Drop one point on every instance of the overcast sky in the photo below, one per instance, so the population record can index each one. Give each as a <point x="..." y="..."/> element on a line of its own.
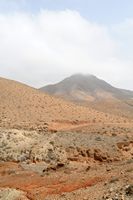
<point x="43" y="41"/>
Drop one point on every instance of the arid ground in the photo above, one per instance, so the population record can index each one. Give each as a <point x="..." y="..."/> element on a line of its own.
<point x="53" y="149"/>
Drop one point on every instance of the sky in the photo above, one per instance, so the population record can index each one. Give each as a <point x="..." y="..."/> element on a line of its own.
<point x="44" y="41"/>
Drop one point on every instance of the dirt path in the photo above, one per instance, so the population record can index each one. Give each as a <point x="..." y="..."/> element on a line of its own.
<point x="68" y="125"/>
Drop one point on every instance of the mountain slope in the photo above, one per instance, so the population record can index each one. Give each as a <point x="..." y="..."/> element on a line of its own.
<point x="23" y="107"/>
<point x="86" y="88"/>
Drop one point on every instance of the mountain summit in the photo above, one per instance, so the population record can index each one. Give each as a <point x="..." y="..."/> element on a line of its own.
<point x="79" y="87"/>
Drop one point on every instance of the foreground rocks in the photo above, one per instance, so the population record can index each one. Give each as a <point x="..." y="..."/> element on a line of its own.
<point x="65" y="165"/>
<point x="61" y="147"/>
<point x="123" y="193"/>
<point x="12" y="194"/>
<point x="73" y="181"/>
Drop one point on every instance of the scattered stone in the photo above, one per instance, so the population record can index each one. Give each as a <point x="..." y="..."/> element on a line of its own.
<point x="129" y="190"/>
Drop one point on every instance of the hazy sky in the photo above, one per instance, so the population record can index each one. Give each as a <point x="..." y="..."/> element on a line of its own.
<point x="43" y="41"/>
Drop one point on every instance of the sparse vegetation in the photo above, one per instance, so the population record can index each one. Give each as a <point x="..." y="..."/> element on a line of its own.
<point x="49" y="146"/>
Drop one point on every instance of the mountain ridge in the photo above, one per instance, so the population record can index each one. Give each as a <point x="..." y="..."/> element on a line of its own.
<point x="89" y="84"/>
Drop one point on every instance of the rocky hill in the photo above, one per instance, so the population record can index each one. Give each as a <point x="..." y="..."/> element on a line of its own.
<point x="89" y="89"/>
<point x="86" y="87"/>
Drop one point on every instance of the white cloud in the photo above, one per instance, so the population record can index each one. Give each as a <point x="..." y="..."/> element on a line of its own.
<point x="46" y="47"/>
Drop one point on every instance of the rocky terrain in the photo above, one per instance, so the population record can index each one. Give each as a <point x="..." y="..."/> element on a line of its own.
<point x="52" y="149"/>
<point x="65" y="165"/>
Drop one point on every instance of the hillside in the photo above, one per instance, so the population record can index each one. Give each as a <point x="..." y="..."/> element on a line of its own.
<point x="24" y="107"/>
<point x="92" y="91"/>
<point x="86" y="87"/>
<point x="54" y="149"/>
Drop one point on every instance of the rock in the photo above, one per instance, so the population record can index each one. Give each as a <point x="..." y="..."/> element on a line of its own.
<point x="100" y="156"/>
<point x="88" y="168"/>
<point x="108" y="169"/>
<point x="106" y="183"/>
<point x="129" y="190"/>
<point x="122" y="197"/>
<point x="98" y="139"/>
<point x="111" y="190"/>
<point x="12" y="194"/>
<point x="85" y="198"/>
<point x="116" y="197"/>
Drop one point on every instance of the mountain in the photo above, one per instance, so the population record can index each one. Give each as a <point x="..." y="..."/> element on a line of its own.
<point x="86" y="88"/>
<point x="24" y="107"/>
<point x="92" y="91"/>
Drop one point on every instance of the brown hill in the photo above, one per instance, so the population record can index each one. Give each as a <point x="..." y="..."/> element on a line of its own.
<point x="24" y="107"/>
<point x="88" y="89"/>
